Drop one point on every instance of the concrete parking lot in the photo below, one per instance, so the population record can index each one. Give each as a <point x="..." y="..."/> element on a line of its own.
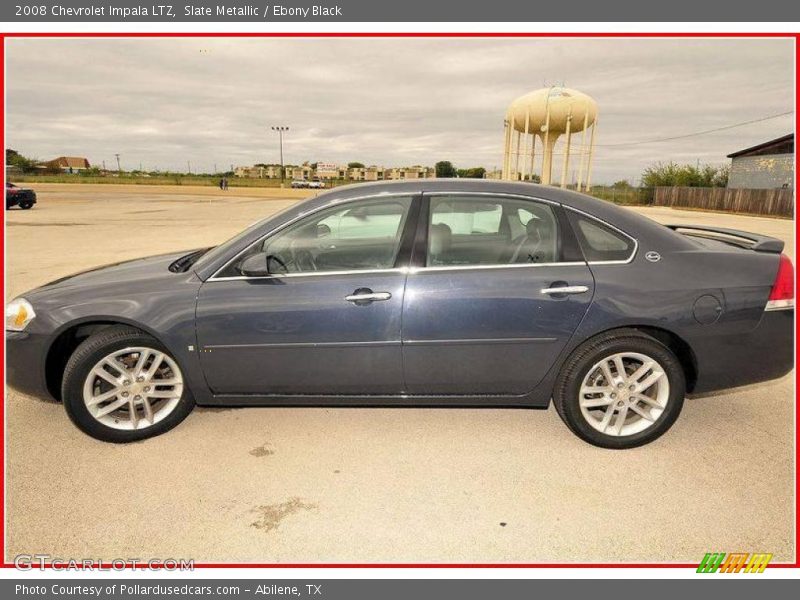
<point x="371" y="485"/>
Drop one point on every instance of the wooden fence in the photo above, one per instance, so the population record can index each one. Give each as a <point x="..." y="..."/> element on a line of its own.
<point x="778" y="202"/>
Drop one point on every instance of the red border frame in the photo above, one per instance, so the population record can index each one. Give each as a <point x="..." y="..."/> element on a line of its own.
<point x="107" y="566"/>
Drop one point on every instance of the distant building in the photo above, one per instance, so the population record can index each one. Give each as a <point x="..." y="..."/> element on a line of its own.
<point x="765" y="166"/>
<point x="372" y="173"/>
<point x="258" y="172"/>
<point x="332" y="171"/>
<point x="415" y="172"/>
<point x="69" y="164"/>
<point x="303" y="172"/>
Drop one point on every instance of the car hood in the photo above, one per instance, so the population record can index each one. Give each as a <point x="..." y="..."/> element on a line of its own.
<point x="130" y="271"/>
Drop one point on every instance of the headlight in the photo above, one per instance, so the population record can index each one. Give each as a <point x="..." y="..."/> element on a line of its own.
<point x="19" y="313"/>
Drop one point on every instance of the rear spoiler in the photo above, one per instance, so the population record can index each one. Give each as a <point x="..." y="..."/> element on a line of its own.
<point x="752" y="241"/>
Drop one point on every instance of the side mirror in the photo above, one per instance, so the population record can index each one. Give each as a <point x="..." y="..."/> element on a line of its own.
<point x="254" y="265"/>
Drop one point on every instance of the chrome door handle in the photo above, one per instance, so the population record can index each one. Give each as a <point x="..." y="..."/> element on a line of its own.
<point x="368" y="297"/>
<point x="567" y="289"/>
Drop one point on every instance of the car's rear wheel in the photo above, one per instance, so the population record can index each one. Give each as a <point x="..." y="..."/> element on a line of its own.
<point x="620" y="390"/>
<point x="122" y="385"/>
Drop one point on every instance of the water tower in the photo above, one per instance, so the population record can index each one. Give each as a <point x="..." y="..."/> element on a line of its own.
<point x="547" y="114"/>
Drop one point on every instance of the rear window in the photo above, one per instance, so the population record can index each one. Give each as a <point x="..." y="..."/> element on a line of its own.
<point x="600" y="242"/>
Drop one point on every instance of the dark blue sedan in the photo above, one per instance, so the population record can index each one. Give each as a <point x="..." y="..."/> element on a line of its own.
<point x="431" y="293"/>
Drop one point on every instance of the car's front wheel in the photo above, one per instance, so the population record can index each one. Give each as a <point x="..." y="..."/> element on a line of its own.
<point x="620" y="390"/>
<point x="25" y="204"/>
<point x="122" y="385"/>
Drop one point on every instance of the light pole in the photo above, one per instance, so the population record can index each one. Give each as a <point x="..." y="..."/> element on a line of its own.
<point x="119" y="169"/>
<point x="280" y="129"/>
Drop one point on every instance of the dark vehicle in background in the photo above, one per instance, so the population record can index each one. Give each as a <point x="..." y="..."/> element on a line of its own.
<point x="17" y="196"/>
<point x="447" y="292"/>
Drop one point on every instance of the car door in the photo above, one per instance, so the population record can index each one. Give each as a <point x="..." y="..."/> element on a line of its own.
<point x="325" y="320"/>
<point x="501" y="288"/>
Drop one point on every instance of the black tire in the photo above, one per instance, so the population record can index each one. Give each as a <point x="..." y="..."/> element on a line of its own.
<point x="25" y="204"/>
<point x="566" y="391"/>
<point x="92" y="350"/>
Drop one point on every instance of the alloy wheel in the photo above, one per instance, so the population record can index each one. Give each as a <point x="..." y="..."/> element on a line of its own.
<point x="624" y="394"/>
<point x="133" y="388"/>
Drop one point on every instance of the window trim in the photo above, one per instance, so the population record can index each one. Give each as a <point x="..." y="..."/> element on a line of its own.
<point x="420" y="270"/>
<point x="610" y="226"/>
<point x="415" y="198"/>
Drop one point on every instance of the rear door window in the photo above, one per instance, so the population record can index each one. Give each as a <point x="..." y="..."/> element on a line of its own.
<point x="469" y="230"/>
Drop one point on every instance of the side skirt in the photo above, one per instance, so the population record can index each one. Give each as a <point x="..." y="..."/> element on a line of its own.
<point x="525" y="401"/>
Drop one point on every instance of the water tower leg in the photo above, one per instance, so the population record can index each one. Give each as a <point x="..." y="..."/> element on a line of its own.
<point x="565" y="166"/>
<point x="506" y="150"/>
<point x="583" y="150"/>
<point x="533" y="153"/>
<point x="525" y="151"/>
<point x="591" y="155"/>
<point x="516" y="157"/>
<point x="547" y="156"/>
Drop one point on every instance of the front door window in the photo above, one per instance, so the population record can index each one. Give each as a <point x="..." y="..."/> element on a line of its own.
<point x="353" y="236"/>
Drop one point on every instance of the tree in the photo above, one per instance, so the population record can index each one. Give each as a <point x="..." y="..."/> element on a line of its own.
<point x="673" y="174"/>
<point x="355" y="165"/>
<point x="721" y="177"/>
<point x="622" y="184"/>
<point x="534" y="178"/>
<point x="23" y="163"/>
<point x="445" y="168"/>
<point x="472" y="173"/>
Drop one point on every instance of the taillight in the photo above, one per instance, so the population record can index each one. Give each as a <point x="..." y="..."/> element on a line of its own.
<point x="782" y="294"/>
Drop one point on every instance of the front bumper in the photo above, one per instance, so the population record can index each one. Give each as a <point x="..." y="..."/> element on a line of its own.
<point x="766" y="352"/>
<point x="25" y="363"/>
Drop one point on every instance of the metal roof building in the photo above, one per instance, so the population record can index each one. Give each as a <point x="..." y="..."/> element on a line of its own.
<point x="764" y="166"/>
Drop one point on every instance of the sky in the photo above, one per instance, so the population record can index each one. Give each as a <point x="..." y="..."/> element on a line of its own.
<point x="165" y="103"/>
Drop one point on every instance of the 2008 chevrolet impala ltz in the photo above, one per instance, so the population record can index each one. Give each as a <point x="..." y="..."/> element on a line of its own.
<point x="431" y="293"/>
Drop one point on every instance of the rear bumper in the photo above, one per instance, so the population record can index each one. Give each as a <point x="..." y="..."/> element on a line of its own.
<point x="766" y="352"/>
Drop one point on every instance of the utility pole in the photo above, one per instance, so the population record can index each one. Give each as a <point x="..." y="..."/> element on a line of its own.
<point x="189" y="166"/>
<point x="119" y="169"/>
<point x="280" y="129"/>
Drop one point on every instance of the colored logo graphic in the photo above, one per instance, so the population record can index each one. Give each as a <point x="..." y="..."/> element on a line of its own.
<point x="737" y="562"/>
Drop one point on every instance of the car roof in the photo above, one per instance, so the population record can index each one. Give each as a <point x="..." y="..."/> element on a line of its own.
<point x="464" y="185"/>
<point x="620" y="217"/>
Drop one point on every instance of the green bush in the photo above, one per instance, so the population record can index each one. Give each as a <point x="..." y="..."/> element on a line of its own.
<point x="672" y="174"/>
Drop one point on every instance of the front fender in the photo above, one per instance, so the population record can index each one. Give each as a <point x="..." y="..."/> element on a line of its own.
<point x="163" y="308"/>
